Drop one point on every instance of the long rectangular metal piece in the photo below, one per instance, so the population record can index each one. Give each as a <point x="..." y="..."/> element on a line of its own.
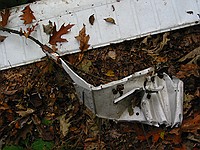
<point x="134" y="19"/>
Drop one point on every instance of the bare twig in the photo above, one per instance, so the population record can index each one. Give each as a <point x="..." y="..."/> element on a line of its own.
<point x="46" y="49"/>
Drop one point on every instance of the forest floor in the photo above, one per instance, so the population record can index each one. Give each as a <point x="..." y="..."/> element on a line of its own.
<point x="39" y="108"/>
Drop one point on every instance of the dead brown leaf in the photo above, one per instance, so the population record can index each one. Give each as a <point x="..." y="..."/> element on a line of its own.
<point x="2" y="38"/>
<point x="83" y="39"/>
<point x="156" y="134"/>
<point x="191" y="124"/>
<point x="64" y="125"/>
<point x="160" y="59"/>
<point x="23" y="133"/>
<point x="114" y="134"/>
<point x="4" y="106"/>
<point x="11" y="92"/>
<point x="56" y="35"/>
<point x="29" y="30"/>
<point x="161" y="44"/>
<point x="5" y="16"/>
<point x="173" y="139"/>
<point x="110" y="20"/>
<point x="25" y="113"/>
<point x="94" y="145"/>
<point x="112" y="54"/>
<point x="91" y="19"/>
<point x="197" y="92"/>
<point x="187" y="70"/>
<point x="27" y="15"/>
<point x="191" y="54"/>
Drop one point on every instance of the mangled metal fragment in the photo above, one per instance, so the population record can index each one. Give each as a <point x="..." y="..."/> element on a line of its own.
<point x="143" y="97"/>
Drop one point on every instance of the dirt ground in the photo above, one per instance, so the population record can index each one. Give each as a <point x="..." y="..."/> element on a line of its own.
<point x="39" y="108"/>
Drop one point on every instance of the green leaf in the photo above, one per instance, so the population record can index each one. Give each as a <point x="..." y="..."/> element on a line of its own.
<point x="39" y="144"/>
<point x="46" y="122"/>
<point x="13" y="147"/>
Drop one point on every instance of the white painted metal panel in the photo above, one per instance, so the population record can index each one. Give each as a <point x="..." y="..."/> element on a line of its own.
<point x="134" y="18"/>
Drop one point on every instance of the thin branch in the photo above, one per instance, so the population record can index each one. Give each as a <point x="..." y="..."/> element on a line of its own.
<point x="46" y="49"/>
<point x="21" y="34"/>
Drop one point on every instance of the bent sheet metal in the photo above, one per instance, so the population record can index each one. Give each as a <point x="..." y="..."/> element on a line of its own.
<point x="143" y="96"/>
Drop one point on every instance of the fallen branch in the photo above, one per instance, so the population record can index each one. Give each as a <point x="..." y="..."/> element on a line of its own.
<point x="47" y="50"/>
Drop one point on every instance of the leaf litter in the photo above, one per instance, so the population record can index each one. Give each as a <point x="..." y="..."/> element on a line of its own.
<point x="48" y="90"/>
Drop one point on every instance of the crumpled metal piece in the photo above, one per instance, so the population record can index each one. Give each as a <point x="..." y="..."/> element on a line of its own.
<point x="143" y="97"/>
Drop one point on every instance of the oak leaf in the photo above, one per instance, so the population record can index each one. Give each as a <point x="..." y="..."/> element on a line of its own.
<point x="56" y="35"/>
<point x="27" y="15"/>
<point x="5" y="15"/>
<point x="83" y="39"/>
<point x="64" y="125"/>
<point x="29" y="30"/>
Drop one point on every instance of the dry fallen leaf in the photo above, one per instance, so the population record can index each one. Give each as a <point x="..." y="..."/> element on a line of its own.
<point x="187" y="70"/>
<point x="85" y="65"/>
<point x="197" y="92"/>
<point x="191" y="124"/>
<point x="110" y="20"/>
<point x="25" y="113"/>
<point x="56" y="35"/>
<point x="29" y="30"/>
<point x="83" y="39"/>
<point x="24" y="132"/>
<point x="160" y="59"/>
<point x="27" y="15"/>
<point x="48" y="29"/>
<point x="91" y="19"/>
<point x="114" y="134"/>
<point x="2" y="38"/>
<point x="64" y="125"/>
<point x="110" y="73"/>
<point x="173" y="139"/>
<point x="94" y="145"/>
<point x="11" y="92"/>
<point x="112" y="54"/>
<point x="191" y="55"/>
<point x="4" y="106"/>
<point x="5" y="15"/>
<point x="156" y="134"/>
<point x="161" y="44"/>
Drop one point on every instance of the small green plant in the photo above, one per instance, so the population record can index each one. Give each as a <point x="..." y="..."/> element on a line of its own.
<point x="39" y="144"/>
<point x="12" y="147"/>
